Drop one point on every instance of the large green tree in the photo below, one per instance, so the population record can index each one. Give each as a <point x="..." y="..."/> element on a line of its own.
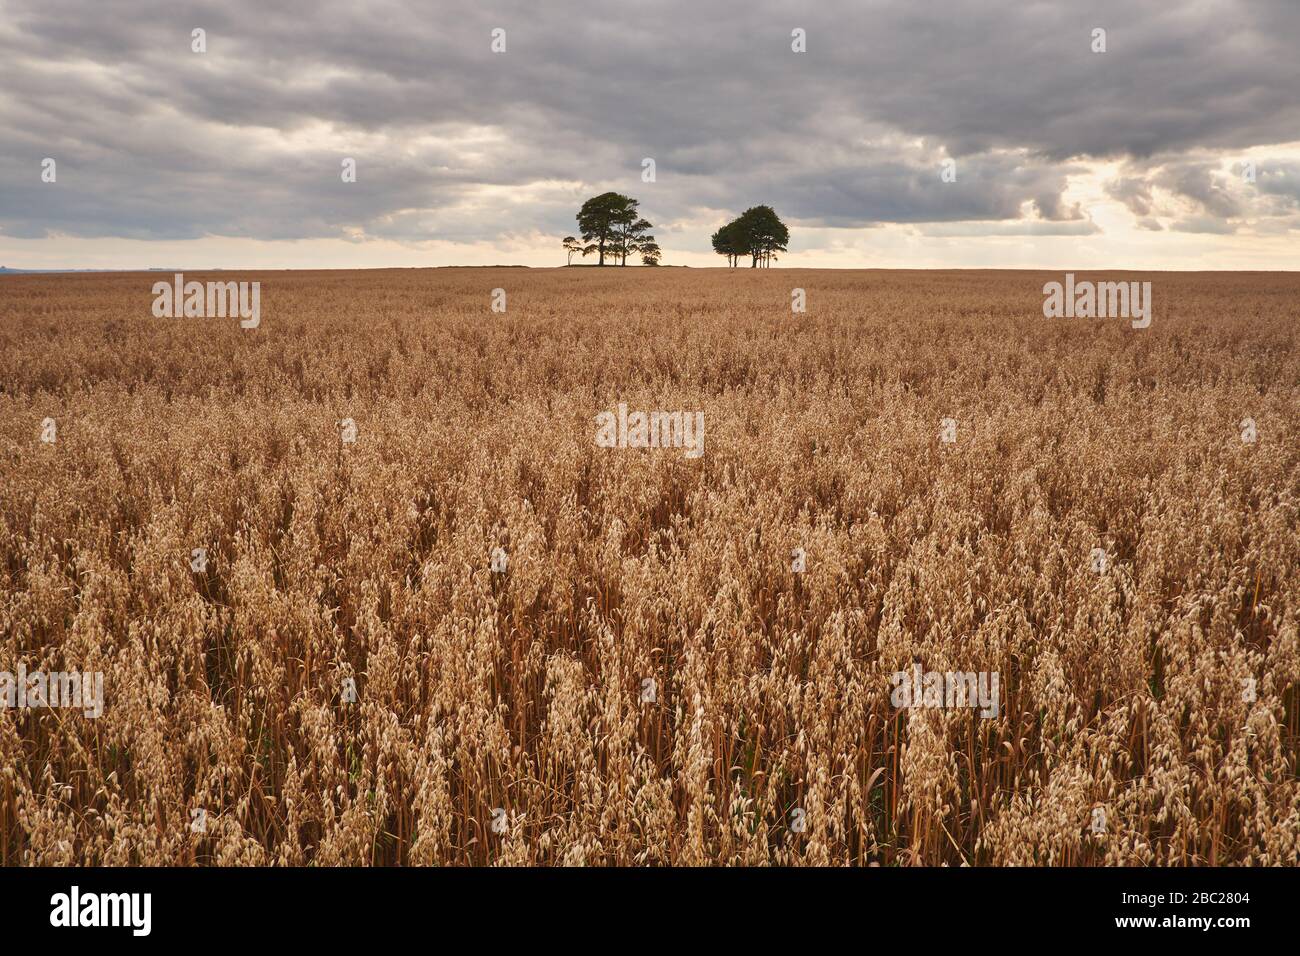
<point x="764" y="233"/>
<point x="605" y="221"/>
<point x="730" y="241"/>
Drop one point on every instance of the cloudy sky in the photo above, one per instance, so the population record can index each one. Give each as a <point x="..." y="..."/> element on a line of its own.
<point x="1138" y="157"/>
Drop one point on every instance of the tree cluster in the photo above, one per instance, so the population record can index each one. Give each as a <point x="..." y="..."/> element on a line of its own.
<point x="758" y="233"/>
<point x="610" y="226"/>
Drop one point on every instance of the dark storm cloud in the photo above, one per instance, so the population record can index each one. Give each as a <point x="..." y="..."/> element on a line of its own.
<point x="455" y="142"/>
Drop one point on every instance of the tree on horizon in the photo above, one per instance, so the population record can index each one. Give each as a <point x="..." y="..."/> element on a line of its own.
<point x="758" y="232"/>
<point x="604" y="220"/>
<point x="765" y="234"/>
<point x="571" y="245"/>
<point x="634" y="239"/>
<point x="730" y="241"/>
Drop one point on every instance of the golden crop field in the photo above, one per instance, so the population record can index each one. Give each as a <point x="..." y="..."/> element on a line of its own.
<point x="647" y="678"/>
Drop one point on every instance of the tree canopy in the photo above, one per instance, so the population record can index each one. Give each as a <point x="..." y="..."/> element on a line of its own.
<point x="609" y="224"/>
<point x="758" y="232"/>
<point x="730" y="241"/>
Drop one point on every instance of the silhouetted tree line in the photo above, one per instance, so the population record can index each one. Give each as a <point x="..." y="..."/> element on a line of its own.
<point x="610" y="226"/>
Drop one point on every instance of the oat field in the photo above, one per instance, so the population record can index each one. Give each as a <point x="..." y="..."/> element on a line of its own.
<point x="649" y="681"/>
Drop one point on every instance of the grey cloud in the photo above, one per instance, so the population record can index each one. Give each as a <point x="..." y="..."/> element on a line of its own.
<point x="1204" y="224"/>
<point x="905" y="189"/>
<point x="1200" y="196"/>
<point x="157" y="142"/>
<point x="1203" y="184"/>
<point x="1134" y="193"/>
<point x="1281" y="179"/>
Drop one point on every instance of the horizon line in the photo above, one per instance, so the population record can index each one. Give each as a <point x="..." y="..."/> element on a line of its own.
<point x="154" y="270"/>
